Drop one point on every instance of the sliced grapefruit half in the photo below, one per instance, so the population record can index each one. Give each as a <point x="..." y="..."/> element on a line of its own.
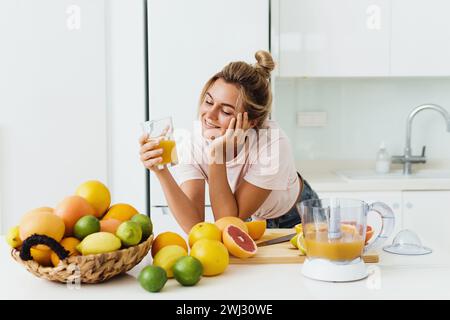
<point x="238" y="243"/>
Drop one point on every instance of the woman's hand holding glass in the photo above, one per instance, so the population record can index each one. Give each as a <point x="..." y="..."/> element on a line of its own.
<point x="150" y="152"/>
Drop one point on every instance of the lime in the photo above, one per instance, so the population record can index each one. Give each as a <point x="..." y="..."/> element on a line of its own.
<point x="152" y="278"/>
<point x="167" y="256"/>
<point x="187" y="270"/>
<point x="85" y="226"/>
<point x="130" y="233"/>
<point x="145" y="223"/>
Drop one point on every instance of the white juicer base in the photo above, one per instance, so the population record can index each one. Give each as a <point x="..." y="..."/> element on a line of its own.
<point x="326" y="270"/>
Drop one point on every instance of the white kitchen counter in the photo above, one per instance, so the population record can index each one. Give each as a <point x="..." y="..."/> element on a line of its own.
<point x="395" y="277"/>
<point x="323" y="177"/>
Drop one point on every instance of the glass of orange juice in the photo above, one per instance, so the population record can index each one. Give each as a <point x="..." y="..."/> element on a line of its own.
<point x="163" y="128"/>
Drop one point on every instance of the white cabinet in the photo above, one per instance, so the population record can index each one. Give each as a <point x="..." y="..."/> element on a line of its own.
<point x="420" y="44"/>
<point x="325" y="38"/>
<point x="52" y="103"/>
<point x="428" y="214"/>
<point x="189" y="41"/>
<point x="392" y="198"/>
<point x="346" y="38"/>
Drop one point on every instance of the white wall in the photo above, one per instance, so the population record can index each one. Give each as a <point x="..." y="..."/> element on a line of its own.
<point x="362" y="113"/>
<point x="125" y="74"/>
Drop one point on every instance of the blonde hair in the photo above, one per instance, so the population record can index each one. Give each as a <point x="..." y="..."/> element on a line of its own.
<point x="253" y="82"/>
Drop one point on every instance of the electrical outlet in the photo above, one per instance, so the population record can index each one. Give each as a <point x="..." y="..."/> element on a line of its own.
<point x="311" y="119"/>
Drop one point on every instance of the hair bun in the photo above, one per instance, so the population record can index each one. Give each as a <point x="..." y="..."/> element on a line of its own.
<point x="265" y="63"/>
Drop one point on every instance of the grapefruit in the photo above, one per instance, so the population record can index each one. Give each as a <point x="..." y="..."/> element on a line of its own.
<point x="41" y="221"/>
<point x="109" y="225"/>
<point x="204" y="230"/>
<point x="97" y="194"/>
<point x="71" y="209"/>
<point x="256" y="228"/>
<point x="238" y="243"/>
<point x="222" y="223"/>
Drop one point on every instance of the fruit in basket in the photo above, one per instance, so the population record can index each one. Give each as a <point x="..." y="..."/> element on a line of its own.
<point x="166" y="239"/>
<point x="238" y="243"/>
<point x="97" y="194"/>
<point x="145" y="223"/>
<point x="213" y="256"/>
<point x="71" y="209"/>
<point x="256" y="229"/>
<point x="110" y="225"/>
<point x="43" y="257"/>
<point x="167" y="256"/>
<point x="222" y="223"/>
<point x="187" y="270"/>
<point x="85" y="226"/>
<point x="130" y="233"/>
<point x="41" y="221"/>
<point x="69" y="244"/>
<point x="152" y="278"/>
<point x="204" y="230"/>
<point x="30" y="251"/>
<point x="99" y="242"/>
<point x="13" y="237"/>
<point x="120" y="211"/>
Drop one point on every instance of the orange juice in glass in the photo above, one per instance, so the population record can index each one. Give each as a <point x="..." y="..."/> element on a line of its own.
<point x="163" y="129"/>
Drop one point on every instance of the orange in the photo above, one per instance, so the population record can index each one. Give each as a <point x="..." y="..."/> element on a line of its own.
<point x="166" y="239"/>
<point x="97" y="194"/>
<point x="42" y="256"/>
<point x="213" y="256"/>
<point x="204" y="230"/>
<point x="238" y="243"/>
<point x="71" y="209"/>
<point x="69" y="244"/>
<point x="110" y="225"/>
<point x="120" y="211"/>
<point x="256" y="228"/>
<point x="222" y="223"/>
<point x="41" y="221"/>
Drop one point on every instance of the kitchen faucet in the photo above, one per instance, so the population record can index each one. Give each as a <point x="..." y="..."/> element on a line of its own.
<point x="408" y="159"/>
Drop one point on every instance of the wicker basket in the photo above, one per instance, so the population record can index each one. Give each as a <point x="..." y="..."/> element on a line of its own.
<point x="89" y="269"/>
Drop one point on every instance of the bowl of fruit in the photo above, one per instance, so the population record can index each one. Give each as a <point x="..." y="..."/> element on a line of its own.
<point x="83" y="239"/>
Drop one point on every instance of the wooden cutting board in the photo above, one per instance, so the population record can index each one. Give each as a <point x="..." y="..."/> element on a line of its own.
<point x="283" y="252"/>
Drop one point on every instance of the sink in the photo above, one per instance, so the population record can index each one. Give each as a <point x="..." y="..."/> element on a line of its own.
<point x="394" y="174"/>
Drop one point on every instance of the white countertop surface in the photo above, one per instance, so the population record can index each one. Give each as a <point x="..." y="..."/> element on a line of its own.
<point x="323" y="177"/>
<point x="395" y="277"/>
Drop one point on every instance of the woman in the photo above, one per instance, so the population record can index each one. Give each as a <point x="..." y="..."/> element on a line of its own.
<point x="249" y="164"/>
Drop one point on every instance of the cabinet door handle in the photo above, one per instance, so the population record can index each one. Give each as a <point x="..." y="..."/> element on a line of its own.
<point x="164" y="209"/>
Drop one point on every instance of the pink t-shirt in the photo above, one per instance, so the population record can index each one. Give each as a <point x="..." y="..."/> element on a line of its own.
<point x="268" y="164"/>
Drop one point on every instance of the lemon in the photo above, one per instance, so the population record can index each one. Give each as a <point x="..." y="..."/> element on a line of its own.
<point x="13" y="238"/>
<point x="204" y="230"/>
<point x="167" y="256"/>
<point x="294" y="241"/>
<point x="301" y="243"/>
<point x="99" y="242"/>
<point x="298" y="228"/>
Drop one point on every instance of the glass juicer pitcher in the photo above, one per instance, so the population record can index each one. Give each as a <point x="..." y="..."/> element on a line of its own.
<point x="334" y="232"/>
